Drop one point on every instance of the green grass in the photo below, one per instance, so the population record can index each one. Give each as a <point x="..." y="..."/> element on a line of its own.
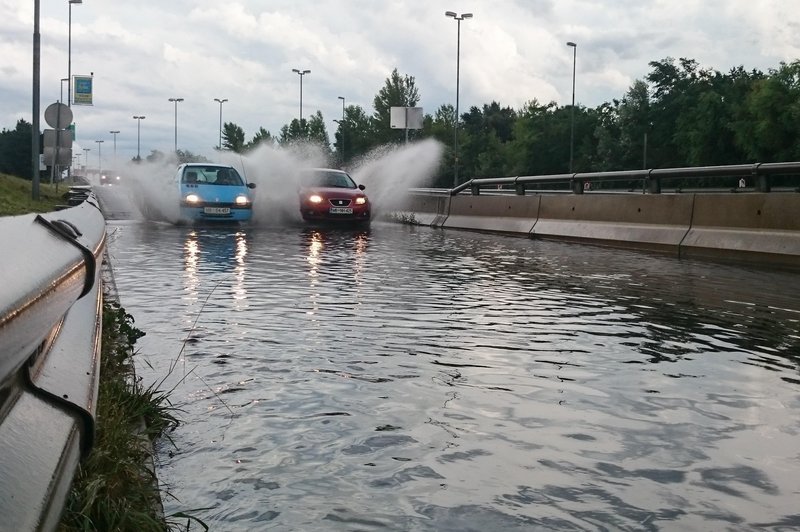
<point x="16" y="196"/>
<point x="115" y="488"/>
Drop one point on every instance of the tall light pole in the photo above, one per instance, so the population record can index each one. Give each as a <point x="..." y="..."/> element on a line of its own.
<point x="301" y="73"/>
<point x="341" y="128"/>
<point x="342" y="98"/>
<point x="99" y="158"/>
<point x="176" y="100"/>
<point x="138" y="135"/>
<point x="69" y="53"/>
<point x="458" y="75"/>
<point x="86" y="157"/>
<point x="115" y="148"/>
<point x="572" y="109"/>
<point x="62" y="89"/>
<point x="221" y="101"/>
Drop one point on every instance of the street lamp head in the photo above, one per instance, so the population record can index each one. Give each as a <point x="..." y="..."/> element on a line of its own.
<point x="220" y="101"/>
<point x="75" y="1"/>
<point x="450" y="14"/>
<point x="113" y="132"/>
<point x="466" y="15"/>
<point x="341" y="97"/>
<point x="572" y="44"/>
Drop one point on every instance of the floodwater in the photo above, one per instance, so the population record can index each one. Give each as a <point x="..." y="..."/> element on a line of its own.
<point x="410" y="378"/>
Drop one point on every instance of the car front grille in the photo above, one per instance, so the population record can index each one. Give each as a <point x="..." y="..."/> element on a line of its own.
<point x="340" y="202"/>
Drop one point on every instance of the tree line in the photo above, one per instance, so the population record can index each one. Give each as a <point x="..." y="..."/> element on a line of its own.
<point x="679" y="115"/>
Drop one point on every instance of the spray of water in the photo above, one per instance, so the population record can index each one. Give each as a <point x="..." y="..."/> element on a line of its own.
<point x="386" y="172"/>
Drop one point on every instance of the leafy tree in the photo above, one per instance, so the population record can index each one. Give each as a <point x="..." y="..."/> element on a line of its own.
<point x="262" y="136"/>
<point x="354" y="136"/>
<point x="397" y="91"/>
<point x="295" y="131"/>
<point x="15" y="150"/>
<point x="185" y="156"/>
<point x="317" y="132"/>
<point x="768" y="128"/>
<point x="232" y="137"/>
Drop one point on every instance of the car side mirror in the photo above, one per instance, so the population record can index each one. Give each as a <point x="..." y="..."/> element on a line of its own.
<point x="362" y="187"/>
<point x="251" y="185"/>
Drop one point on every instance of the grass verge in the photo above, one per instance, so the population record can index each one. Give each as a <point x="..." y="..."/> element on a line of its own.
<point x="16" y="196"/>
<point x="115" y="488"/>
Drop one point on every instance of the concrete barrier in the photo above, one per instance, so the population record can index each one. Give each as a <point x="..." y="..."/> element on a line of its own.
<point x="752" y="227"/>
<point x="634" y="221"/>
<point x="503" y="214"/>
<point x="745" y="227"/>
<point x="424" y="209"/>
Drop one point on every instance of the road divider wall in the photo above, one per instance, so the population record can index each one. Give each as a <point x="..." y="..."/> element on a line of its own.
<point x="752" y="227"/>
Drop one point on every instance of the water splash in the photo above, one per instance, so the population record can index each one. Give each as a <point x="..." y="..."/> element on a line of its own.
<point x="386" y="172"/>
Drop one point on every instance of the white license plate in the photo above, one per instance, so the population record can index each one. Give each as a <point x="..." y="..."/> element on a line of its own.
<point x="217" y="210"/>
<point x="341" y="210"/>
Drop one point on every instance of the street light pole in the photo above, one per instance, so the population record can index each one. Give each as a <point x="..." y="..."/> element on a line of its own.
<point x="301" y="73"/>
<point x="458" y="75"/>
<point x="572" y="109"/>
<point x="99" y="157"/>
<point x="86" y="158"/>
<point x="176" y="100"/>
<point x="221" y="101"/>
<point x="115" y="148"/>
<point x="69" y="53"/>
<point x="341" y="128"/>
<point x="138" y="136"/>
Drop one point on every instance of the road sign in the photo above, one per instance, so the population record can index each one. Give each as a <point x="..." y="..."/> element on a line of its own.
<point x="64" y="156"/>
<point x="82" y="93"/>
<point x="405" y="118"/>
<point x="58" y="116"/>
<point x="64" y="138"/>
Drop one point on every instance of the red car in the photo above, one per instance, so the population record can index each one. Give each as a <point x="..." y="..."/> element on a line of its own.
<point x="328" y="195"/>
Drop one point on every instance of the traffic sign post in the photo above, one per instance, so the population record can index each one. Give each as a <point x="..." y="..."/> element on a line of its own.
<point x="59" y="117"/>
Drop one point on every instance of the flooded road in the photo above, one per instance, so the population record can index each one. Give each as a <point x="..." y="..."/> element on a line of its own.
<point x="408" y="378"/>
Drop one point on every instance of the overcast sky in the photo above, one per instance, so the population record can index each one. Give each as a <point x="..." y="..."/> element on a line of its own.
<point x="144" y="52"/>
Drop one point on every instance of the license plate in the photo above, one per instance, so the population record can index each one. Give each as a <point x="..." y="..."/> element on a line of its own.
<point x="341" y="210"/>
<point x="217" y="210"/>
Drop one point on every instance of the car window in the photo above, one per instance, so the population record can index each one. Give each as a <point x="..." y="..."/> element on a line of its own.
<point x="212" y="175"/>
<point x="329" y="179"/>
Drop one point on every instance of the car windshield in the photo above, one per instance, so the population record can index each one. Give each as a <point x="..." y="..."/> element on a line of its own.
<point x="323" y="178"/>
<point x="211" y="175"/>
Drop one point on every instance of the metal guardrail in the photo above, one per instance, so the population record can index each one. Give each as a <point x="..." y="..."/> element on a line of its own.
<point x="50" y="327"/>
<point x="651" y="178"/>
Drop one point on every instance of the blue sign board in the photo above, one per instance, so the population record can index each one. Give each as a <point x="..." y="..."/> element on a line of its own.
<point x="82" y="93"/>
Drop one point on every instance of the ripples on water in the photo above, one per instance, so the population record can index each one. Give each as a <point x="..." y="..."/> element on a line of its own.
<point x="414" y="379"/>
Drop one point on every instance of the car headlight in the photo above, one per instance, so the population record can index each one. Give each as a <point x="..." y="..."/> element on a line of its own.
<point x="192" y="198"/>
<point x="242" y="200"/>
<point x="361" y="201"/>
<point x="315" y="198"/>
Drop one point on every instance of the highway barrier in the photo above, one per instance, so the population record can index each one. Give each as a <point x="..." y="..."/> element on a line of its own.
<point x="745" y="224"/>
<point x="50" y="328"/>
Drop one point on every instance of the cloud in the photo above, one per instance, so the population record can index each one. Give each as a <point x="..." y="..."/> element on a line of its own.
<point x="512" y="51"/>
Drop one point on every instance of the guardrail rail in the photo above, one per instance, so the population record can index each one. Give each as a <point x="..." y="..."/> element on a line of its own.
<point x="50" y="328"/>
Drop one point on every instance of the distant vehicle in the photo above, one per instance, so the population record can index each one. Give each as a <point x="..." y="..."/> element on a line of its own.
<point x="214" y="193"/>
<point x="110" y="177"/>
<point x="328" y="195"/>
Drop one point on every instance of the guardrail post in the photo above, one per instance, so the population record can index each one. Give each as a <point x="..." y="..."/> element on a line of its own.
<point x="577" y="185"/>
<point x="475" y="189"/>
<point x="653" y="183"/>
<point x="519" y="188"/>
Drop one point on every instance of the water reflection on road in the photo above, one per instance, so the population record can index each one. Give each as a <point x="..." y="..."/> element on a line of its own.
<point x="406" y="378"/>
